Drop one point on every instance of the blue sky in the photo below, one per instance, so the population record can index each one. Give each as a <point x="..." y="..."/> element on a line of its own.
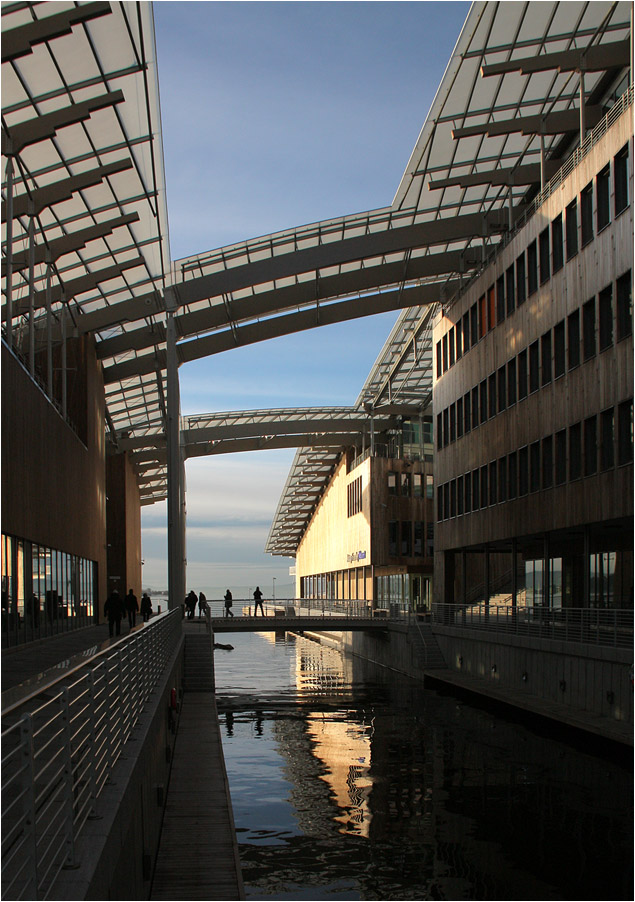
<point x="276" y="115"/>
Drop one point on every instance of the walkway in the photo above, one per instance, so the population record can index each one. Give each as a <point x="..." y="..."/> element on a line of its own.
<point x="198" y="851"/>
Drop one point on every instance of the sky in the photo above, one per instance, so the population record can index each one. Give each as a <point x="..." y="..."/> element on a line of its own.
<point x="275" y="115"/>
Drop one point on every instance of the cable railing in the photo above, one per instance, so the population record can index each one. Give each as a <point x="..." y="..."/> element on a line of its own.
<point x="612" y="627"/>
<point x="59" y="745"/>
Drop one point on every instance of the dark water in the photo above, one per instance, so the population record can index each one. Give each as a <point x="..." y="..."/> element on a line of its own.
<point x="349" y="781"/>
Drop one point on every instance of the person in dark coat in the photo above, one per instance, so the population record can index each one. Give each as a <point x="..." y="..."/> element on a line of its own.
<point x="146" y="607"/>
<point x="132" y="606"/>
<point x="258" y="601"/>
<point x="202" y="604"/>
<point x="190" y="602"/>
<point x="113" y="609"/>
<point x="228" y="604"/>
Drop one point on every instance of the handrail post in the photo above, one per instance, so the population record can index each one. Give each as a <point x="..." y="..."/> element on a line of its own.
<point x="68" y="779"/>
<point x="26" y="740"/>
<point x="93" y="742"/>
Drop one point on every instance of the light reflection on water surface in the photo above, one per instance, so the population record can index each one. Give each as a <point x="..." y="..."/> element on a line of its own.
<point x="349" y="781"/>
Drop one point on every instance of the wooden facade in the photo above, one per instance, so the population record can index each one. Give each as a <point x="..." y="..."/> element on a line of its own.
<point x="535" y="407"/>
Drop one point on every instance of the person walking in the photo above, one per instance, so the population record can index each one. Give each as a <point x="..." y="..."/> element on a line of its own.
<point x="258" y="601"/>
<point x="113" y="609"/>
<point x="190" y="602"/>
<point x="202" y="604"/>
<point x="146" y="607"/>
<point x="228" y="604"/>
<point x="132" y="606"/>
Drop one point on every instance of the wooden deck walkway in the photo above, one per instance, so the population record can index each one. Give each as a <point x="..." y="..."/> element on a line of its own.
<point x="198" y="851"/>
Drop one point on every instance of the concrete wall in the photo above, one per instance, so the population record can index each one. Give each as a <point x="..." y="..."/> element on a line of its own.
<point x="579" y="676"/>
<point x="116" y="853"/>
<point x="53" y="483"/>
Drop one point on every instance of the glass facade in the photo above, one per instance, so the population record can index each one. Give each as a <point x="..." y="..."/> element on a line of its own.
<point x="44" y="591"/>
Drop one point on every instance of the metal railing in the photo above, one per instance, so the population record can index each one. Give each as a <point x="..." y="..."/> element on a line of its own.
<point x="310" y="607"/>
<point x="59" y="745"/>
<point x="612" y="627"/>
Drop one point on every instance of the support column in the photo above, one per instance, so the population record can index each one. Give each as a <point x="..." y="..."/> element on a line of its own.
<point x="31" y="290"/>
<point x="9" y="251"/>
<point x="514" y="578"/>
<point x="176" y="523"/>
<point x="487" y="582"/>
<point x="582" y="109"/>
<point x="586" y="565"/>
<point x="546" y="574"/>
<point x="49" y="340"/>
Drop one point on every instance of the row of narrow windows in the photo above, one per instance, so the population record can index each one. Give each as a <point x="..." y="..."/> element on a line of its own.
<point x="408" y="538"/>
<point x="581" y="450"/>
<point x="541" y="259"/>
<point x="410" y="485"/>
<point x="354" y="497"/>
<point x="572" y="341"/>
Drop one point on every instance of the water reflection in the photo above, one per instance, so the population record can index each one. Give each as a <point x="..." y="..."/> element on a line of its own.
<point x="350" y="782"/>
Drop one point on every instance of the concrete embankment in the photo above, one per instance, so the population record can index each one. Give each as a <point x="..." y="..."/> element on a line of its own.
<point x="585" y="688"/>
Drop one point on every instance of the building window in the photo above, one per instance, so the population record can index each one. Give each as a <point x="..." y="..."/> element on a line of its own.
<point x="522" y="375"/>
<point x="468" y="493"/>
<point x="523" y="467"/>
<point x="521" y="289"/>
<point x="602" y="184"/>
<point x="575" y="451"/>
<point x="406" y="538"/>
<point x="417" y="485"/>
<point x="502" y="389"/>
<point x="620" y="175"/>
<point x="492" y="395"/>
<point x="445" y="352"/>
<point x="439" y="369"/>
<point x="511" y="382"/>
<point x="625" y="433"/>
<point x="534" y="467"/>
<point x="534" y="367"/>
<point x="467" y="412"/>
<point x="532" y="267"/>
<point x="482" y="317"/>
<point x="476" y="502"/>
<point x="561" y="457"/>
<point x="439" y="430"/>
<point x="429" y="485"/>
<point x="586" y="214"/>
<point x="545" y="263"/>
<point x="354" y="499"/>
<point x="557" y="244"/>
<point x="590" y="446"/>
<point x="607" y="444"/>
<point x="493" y="483"/>
<point x="558" y="349"/>
<point x="545" y="350"/>
<point x="624" y="306"/>
<point x="547" y="462"/>
<point x="459" y="417"/>
<point x="446" y="500"/>
<point x="510" y="290"/>
<point x="491" y="308"/>
<point x="512" y="482"/>
<point x="451" y="346"/>
<point x="446" y="427"/>
<point x="459" y="496"/>
<point x="588" y="329"/>
<point x="466" y="333"/>
<point x="605" y="305"/>
<point x="475" y="417"/>
<point x="502" y="479"/>
<point x="404" y="479"/>
<point x="419" y="527"/>
<point x="474" y="324"/>
<point x="452" y="422"/>
<point x="571" y="228"/>
<point x="459" y="340"/>
<point x="483" y="400"/>
<point x="573" y="329"/>
<point x="484" y="494"/>
<point x="392" y="531"/>
<point x="392" y="479"/>
<point x="429" y="539"/>
<point x="500" y="299"/>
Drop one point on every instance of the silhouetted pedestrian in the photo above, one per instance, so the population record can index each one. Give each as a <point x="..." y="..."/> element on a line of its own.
<point x="228" y="604"/>
<point x="146" y="607"/>
<point x="132" y="606"/>
<point x="258" y="601"/>
<point x="202" y="604"/>
<point x="113" y="609"/>
<point x="190" y="602"/>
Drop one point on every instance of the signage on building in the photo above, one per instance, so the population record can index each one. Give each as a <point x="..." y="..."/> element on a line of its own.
<point x="356" y="556"/>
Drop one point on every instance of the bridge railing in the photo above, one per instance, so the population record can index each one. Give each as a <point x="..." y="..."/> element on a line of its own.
<point x="612" y="627"/>
<point x="59" y="745"/>
<point x="309" y="607"/>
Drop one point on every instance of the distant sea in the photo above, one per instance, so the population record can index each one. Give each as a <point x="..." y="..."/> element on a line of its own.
<point x="282" y="590"/>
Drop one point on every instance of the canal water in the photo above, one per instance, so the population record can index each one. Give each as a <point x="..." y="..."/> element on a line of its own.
<point x="349" y="781"/>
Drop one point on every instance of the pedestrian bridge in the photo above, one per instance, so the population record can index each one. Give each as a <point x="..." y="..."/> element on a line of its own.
<point x="283" y="622"/>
